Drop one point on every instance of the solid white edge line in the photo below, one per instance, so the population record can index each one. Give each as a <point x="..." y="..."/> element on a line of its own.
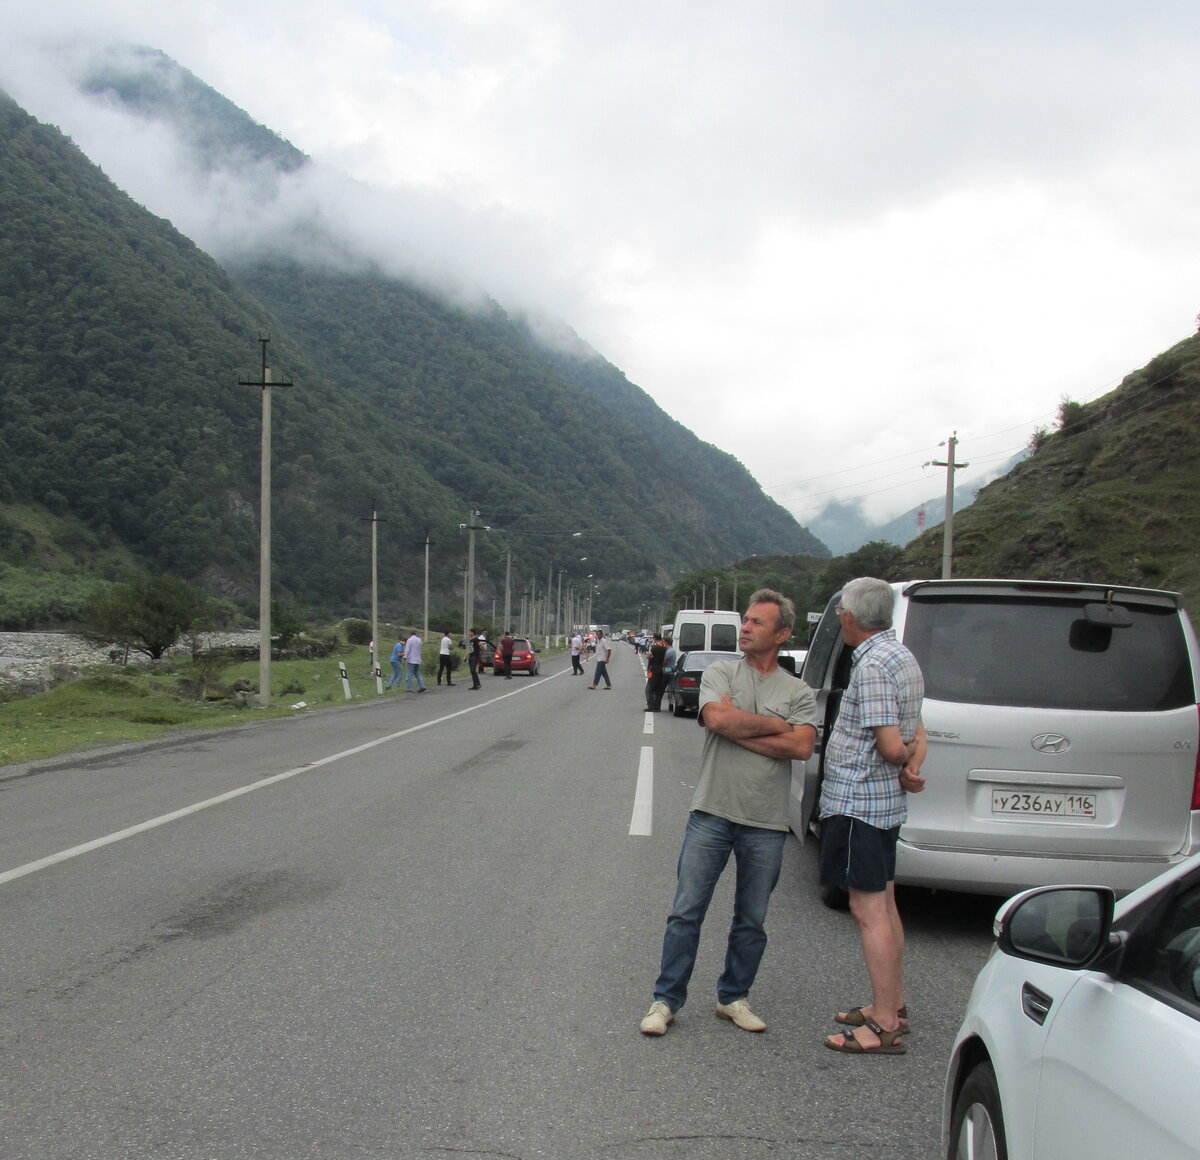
<point x="154" y="823"/>
<point x="643" y="797"/>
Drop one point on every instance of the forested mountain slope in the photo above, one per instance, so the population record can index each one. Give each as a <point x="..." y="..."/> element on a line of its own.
<point x="121" y="347"/>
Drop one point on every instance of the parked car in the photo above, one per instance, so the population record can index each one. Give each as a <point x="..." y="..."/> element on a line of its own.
<point x="792" y="659"/>
<point x="707" y="630"/>
<point x="524" y="658"/>
<point x="1063" y="733"/>
<point x="683" y="689"/>
<point x="1082" y="1033"/>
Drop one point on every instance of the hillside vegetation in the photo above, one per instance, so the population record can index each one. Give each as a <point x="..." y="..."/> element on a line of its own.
<point x="1109" y="496"/>
<point x="126" y="441"/>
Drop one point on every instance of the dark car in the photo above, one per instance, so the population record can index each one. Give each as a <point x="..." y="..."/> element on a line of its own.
<point x="683" y="689"/>
<point x="524" y="658"/>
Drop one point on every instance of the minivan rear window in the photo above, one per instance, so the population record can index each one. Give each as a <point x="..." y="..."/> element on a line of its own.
<point x="725" y="637"/>
<point x="691" y="636"/>
<point x="1000" y="650"/>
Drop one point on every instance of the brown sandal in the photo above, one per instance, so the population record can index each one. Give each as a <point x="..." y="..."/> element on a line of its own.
<point x="854" y="1018"/>
<point x="889" y="1041"/>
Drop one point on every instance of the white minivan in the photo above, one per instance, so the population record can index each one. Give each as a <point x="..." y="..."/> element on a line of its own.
<point x="1064" y="734"/>
<point x="706" y="630"/>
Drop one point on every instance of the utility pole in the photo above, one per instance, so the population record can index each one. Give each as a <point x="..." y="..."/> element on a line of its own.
<point x="264" y="530"/>
<point x="428" y="541"/>
<point x="507" y="587"/>
<point x="471" y="527"/>
<point x="375" y="669"/>
<point x="948" y="527"/>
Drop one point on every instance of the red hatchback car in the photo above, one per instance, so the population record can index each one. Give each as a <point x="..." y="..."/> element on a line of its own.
<point x="524" y="658"/>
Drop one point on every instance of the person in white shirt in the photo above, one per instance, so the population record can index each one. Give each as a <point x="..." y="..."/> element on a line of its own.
<point x="412" y="658"/>
<point x="576" y="651"/>
<point x="603" y="652"/>
<point x="444" y="648"/>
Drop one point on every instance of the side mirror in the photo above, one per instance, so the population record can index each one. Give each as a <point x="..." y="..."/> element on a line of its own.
<point x="1064" y="926"/>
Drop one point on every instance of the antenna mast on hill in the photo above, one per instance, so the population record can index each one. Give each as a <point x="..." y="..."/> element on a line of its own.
<point x="264" y="531"/>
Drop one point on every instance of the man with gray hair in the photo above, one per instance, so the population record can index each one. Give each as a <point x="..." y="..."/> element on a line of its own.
<point x="872" y="761"/>
<point x="757" y="718"/>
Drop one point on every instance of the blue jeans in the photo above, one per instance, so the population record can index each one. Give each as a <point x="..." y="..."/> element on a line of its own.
<point x="707" y="844"/>
<point x="601" y="671"/>
<point x="414" y="670"/>
<point x="397" y="673"/>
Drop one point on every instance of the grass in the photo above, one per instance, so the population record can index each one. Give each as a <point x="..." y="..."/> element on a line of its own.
<point x="109" y="705"/>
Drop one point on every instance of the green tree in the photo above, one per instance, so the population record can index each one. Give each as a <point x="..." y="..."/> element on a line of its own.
<point x="147" y="615"/>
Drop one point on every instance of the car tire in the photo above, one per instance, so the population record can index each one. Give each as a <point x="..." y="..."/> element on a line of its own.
<point x="678" y="709"/>
<point x="977" y="1124"/>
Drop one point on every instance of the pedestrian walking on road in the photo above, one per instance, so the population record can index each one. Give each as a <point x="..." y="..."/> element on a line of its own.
<point x="444" y="659"/>
<point x="576" y="653"/>
<point x="757" y="720"/>
<point x="603" y="652"/>
<point x="507" y="647"/>
<point x="412" y="658"/>
<point x="397" y="664"/>
<point x="474" y="657"/>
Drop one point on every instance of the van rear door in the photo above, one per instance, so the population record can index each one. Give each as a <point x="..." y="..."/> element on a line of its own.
<point x="1054" y="728"/>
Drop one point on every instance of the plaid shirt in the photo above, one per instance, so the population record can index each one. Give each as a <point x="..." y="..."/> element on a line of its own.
<point x="886" y="688"/>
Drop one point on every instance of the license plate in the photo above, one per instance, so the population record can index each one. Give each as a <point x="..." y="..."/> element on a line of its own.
<point x="1054" y="805"/>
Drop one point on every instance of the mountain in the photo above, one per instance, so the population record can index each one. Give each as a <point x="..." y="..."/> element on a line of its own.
<point x="1110" y="496"/>
<point x="122" y="421"/>
<point x="843" y="526"/>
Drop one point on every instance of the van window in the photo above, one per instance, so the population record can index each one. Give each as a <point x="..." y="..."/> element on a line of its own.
<point x="1004" y="650"/>
<point x="820" y="648"/>
<point x="691" y="636"/>
<point x="724" y="638"/>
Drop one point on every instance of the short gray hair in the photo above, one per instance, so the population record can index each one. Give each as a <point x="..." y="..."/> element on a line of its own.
<point x="787" y="610"/>
<point x="870" y="601"/>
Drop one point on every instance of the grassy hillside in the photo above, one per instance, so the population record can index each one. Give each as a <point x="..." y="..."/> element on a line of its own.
<point x="1109" y="496"/>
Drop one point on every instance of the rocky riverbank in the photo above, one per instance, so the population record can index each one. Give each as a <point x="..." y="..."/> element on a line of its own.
<point x="36" y="661"/>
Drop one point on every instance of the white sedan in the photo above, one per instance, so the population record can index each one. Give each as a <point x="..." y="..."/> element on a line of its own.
<point x="1082" y="1034"/>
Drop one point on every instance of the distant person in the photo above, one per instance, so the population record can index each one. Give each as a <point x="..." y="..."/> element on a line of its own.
<point x="671" y="657"/>
<point x="474" y="657"/>
<point x="603" y="652"/>
<point x="397" y="664"/>
<point x="412" y="658"/>
<point x="757" y="720"/>
<point x="507" y="647"/>
<point x="444" y="659"/>
<point x="872" y="762"/>
<point x="576" y="654"/>
<point x="656" y="679"/>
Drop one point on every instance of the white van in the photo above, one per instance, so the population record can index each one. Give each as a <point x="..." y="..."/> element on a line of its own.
<point x="706" y="630"/>
<point x="1064" y="741"/>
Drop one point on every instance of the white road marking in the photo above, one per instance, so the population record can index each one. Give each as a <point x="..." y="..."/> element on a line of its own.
<point x="154" y="823"/>
<point x="643" y="798"/>
<point x="648" y="724"/>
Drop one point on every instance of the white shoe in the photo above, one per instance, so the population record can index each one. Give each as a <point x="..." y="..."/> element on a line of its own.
<point x="657" y="1019"/>
<point x="738" y="1012"/>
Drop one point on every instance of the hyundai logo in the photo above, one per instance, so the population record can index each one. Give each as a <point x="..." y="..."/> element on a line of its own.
<point x="1051" y="743"/>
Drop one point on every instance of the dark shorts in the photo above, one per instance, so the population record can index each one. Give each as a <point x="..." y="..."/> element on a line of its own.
<point x="857" y="855"/>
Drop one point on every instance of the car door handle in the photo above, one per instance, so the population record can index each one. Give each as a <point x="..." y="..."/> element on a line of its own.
<point x="1035" y="1003"/>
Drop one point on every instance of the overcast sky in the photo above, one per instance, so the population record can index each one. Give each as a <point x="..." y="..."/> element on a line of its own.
<point x="823" y="236"/>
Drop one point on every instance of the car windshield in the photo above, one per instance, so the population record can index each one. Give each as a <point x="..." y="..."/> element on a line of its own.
<point x="701" y="660"/>
<point x="1002" y="650"/>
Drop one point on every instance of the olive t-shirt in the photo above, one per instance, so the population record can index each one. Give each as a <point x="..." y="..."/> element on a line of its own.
<point x="735" y="783"/>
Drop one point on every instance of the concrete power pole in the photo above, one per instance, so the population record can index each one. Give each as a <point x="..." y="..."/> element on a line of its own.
<point x="375" y="669"/>
<point x="469" y="596"/>
<point x="948" y="527"/>
<point x="264" y="530"/>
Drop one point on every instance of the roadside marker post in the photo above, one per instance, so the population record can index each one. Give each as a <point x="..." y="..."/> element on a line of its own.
<point x="346" y="679"/>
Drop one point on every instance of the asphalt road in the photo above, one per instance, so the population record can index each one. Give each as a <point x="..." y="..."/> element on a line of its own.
<point x="423" y="927"/>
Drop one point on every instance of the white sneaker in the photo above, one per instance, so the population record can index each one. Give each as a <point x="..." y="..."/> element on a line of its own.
<point x="738" y="1012"/>
<point x="657" y="1019"/>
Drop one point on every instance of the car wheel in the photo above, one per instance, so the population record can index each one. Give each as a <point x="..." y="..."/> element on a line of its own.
<point x="678" y="709"/>
<point x="977" y="1126"/>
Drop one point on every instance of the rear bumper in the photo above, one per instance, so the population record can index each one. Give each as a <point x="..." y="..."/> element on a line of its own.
<point x="1006" y="874"/>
